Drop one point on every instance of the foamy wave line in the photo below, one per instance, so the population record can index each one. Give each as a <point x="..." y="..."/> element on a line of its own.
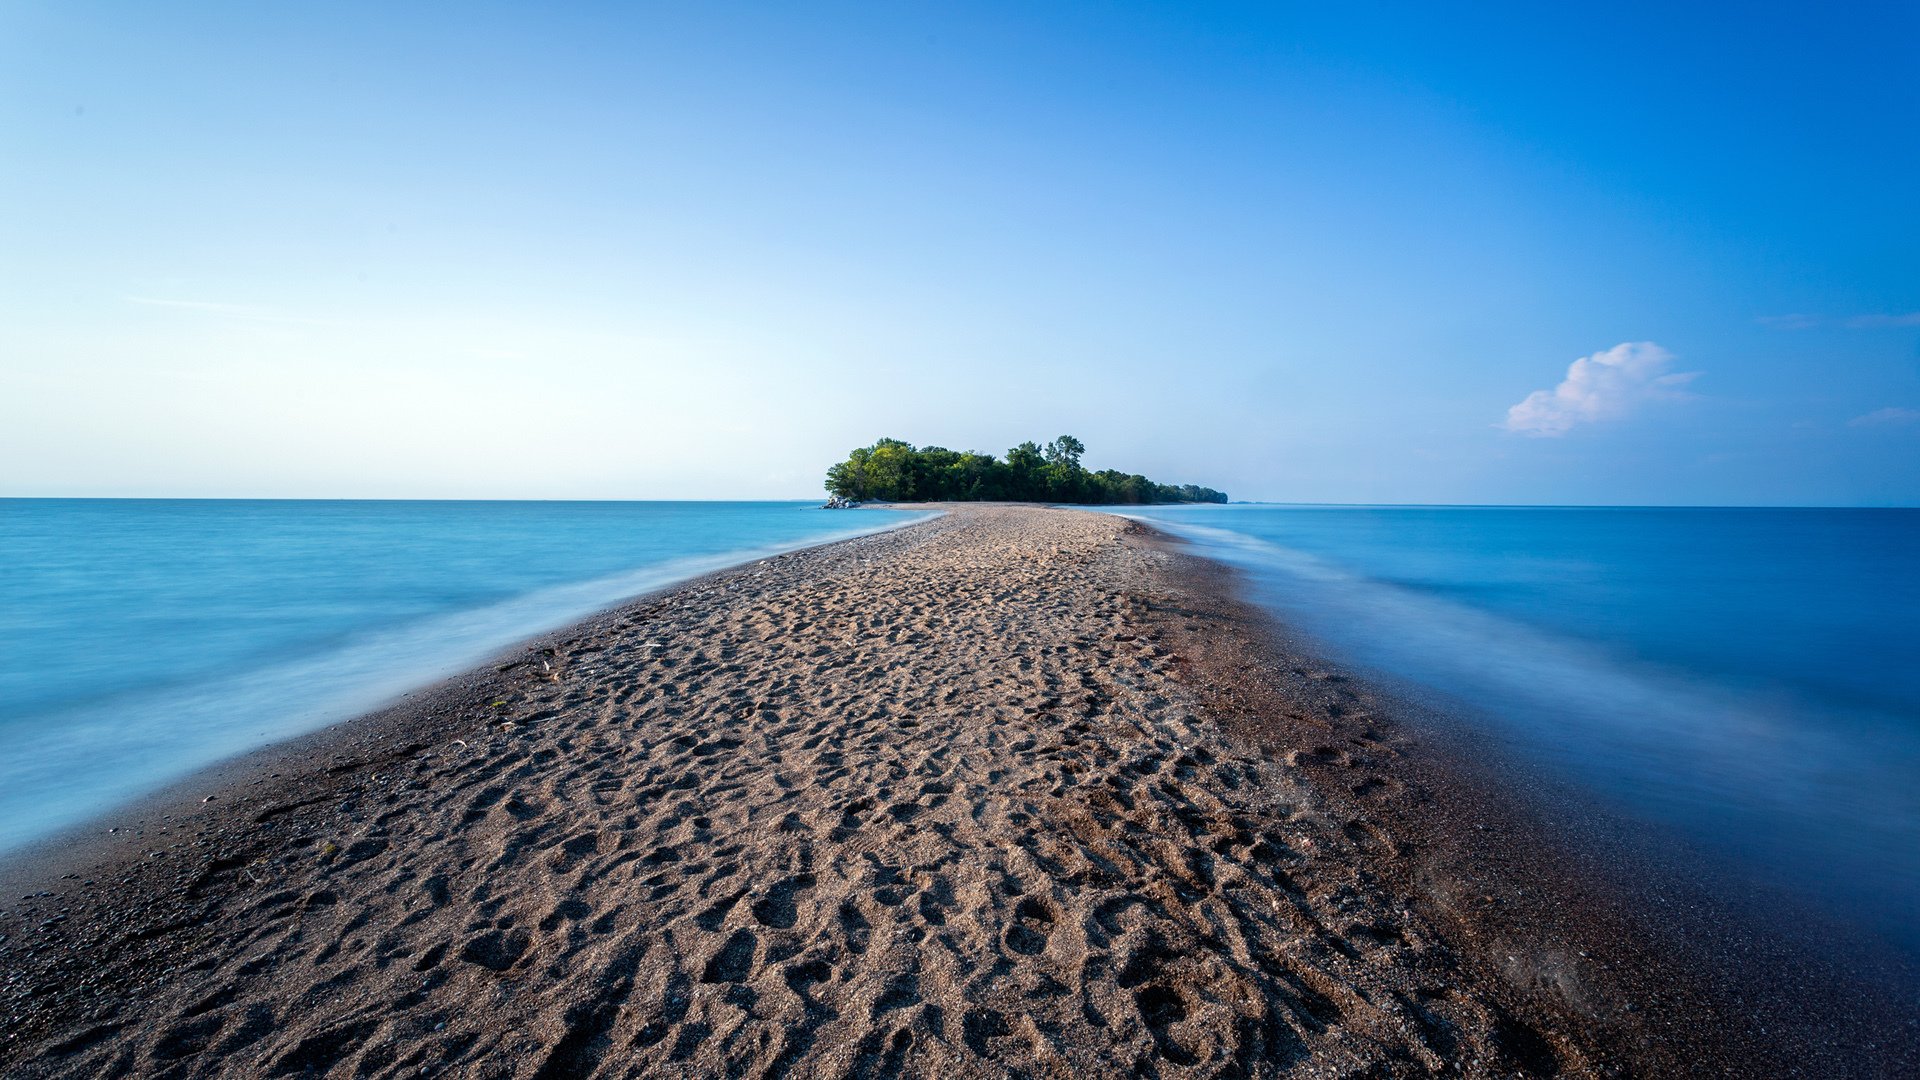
<point x="128" y="746"/>
<point x="1659" y="737"/>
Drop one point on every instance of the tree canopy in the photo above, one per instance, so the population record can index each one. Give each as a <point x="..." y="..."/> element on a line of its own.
<point x="895" y="471"/>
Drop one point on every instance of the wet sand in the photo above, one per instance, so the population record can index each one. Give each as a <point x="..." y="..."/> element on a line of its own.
<point x="1015" y="792"/>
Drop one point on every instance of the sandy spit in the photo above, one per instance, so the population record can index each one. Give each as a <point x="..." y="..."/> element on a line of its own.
<point x="988" y="796"/>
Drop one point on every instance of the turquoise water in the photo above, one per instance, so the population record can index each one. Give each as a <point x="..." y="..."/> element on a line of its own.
<point x="1747" y="677"/>
<point x="147" y="638"/>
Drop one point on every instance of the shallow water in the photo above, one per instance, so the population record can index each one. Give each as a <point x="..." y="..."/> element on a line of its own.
<point x="147" y="638"/>
<point x="1748" y="677"/>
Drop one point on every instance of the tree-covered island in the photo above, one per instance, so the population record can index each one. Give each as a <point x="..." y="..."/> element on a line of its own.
<point x="895" y="471"/>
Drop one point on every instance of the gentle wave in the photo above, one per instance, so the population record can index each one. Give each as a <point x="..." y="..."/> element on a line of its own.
<point x="66" y="765"/>
<point x="1811" y="795"/>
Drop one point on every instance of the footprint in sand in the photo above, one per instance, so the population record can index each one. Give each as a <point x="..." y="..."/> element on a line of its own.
<point x="777" y="909"/>
<point x="1032" y="923"/>
<point x="734" y="961"/>
<point x="497" y="950"/>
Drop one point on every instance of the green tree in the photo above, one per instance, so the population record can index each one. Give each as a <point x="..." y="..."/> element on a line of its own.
<point x="894" y="470"/>
<point x="845" y="480"/>
<point x="1026" y="472"/>
<point x="889" y="471"/>
<point x="1065" y="451"/>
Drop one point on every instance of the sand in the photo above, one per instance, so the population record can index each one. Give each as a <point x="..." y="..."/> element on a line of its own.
<point x="1007" y="793"/>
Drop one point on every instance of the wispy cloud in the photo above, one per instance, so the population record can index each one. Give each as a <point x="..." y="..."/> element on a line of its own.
<point x="1603" y="386"/>
<point x="1879" y="321"/>
<point x="243" y="312"/>
<point x="1884" y="417"/>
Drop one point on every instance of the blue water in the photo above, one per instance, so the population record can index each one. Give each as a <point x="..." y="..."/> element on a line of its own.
<point x="1747" y="679"/>
<point x="146" y="638"/>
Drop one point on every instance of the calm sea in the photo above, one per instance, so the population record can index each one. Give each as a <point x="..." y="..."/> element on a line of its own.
<point x="147" y="638"/>
<point x="1747" y="679"/>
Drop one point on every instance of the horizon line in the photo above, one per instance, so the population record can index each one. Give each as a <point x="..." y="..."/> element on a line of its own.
<point x="808" y="499"/>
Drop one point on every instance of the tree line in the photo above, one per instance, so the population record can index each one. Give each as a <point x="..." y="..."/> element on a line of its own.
<point x="894" y="471"/>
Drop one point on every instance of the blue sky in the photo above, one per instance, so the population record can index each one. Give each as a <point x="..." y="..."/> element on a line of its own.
<point x="1351" y="253"/>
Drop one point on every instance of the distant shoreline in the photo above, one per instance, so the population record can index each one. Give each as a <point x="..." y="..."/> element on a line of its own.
<point x="846" y="756"/>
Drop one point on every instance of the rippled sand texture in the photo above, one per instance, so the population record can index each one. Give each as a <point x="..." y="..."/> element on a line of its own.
<point x="932" y="803"/>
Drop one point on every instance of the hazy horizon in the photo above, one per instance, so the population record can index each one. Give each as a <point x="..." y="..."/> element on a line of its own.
<point x="1120" y="508"/>
<point x="1379" y="255"/>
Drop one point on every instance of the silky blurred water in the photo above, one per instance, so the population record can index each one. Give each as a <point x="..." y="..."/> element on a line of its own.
<point x="1749" y="677"/>
<point x="147" y="638"/>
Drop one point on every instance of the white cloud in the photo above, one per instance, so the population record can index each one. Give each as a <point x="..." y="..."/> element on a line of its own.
<point x="1603" y="386"/>
<point x="1882" y="417"/>
<point x="242" y="312"/>
<point x="1875" y="322"/>
<point x="1855" y="322"/>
